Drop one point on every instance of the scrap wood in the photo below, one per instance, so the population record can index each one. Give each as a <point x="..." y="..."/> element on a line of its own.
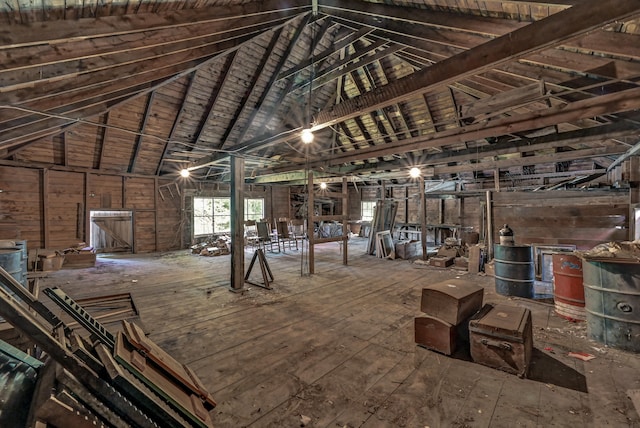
<point x="581" y="356"/>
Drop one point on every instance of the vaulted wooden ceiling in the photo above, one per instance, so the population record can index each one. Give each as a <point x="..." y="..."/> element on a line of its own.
<point x="462" y="89"/>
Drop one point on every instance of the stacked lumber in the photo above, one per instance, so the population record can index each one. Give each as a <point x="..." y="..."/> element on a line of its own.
<point x="213" y="246"/>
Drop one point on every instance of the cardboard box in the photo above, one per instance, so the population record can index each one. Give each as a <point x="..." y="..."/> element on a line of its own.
<point x="407" y="249"/>
<point x="440" y="261"/>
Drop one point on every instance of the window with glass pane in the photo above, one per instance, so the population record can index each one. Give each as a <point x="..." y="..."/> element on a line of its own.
<point x="221" y="215"/>
<point x="202" y="216"/>
<point x="367" y="210"/>
<point x="253" y="209"/>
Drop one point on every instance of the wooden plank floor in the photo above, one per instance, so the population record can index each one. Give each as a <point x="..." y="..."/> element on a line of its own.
<point x="338" y="346"/>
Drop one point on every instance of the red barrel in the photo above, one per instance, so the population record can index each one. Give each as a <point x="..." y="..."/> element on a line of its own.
<point x="568" y="291"/>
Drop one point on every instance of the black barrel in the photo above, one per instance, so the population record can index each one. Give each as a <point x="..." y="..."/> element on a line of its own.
<point x="514" y="270"/>
<point x="612" y="303"/>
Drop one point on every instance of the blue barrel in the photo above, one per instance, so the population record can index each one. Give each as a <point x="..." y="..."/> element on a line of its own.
<point x="22" y="246"/>
<point x="514" y="270"/>
<point x="612" y="303"/>
<point x="11" y="261"/>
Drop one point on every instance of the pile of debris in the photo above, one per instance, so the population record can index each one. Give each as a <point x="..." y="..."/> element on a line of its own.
<point x="214" y="245"/>
<point x="621" y="251"/>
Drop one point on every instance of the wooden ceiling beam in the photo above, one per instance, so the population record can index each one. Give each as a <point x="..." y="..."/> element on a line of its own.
<point x="539" y="35"/>
<point x="529" y="160"/>
<point x="63" y="31"/>
<point x="605" y="104"/>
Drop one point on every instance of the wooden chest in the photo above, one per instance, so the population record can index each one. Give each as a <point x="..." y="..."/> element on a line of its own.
<point x="503" y="339"/>
<point x="435" y="334"/>
<point x="452" y="301"/>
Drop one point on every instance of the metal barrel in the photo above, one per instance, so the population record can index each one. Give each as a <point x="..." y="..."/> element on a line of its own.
<point x="11" y="261"/>
<point x="568" y="292"/>
<point x="514" y="270"/>
<point x="612" y="303"/>
<point x="22" y="246"/>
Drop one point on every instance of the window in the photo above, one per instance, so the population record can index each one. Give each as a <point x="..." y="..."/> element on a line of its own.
<point x="202" y="216"/>
<point x="367" y="210"/>
<point x="253" y="209"/>
<point x="213" y="215"/>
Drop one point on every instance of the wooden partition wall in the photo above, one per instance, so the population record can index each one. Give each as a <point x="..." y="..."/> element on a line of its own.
<point x="51" y="208"/>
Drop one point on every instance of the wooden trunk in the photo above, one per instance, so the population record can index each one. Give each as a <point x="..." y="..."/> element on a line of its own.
<point x="435" y="334"/>
<point x="452" y="301"/>
<point x="503" y="339"/>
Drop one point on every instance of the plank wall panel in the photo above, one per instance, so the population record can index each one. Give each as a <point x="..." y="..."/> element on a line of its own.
<point x="107" y="191"/>
<point x="46" y="150"/>
<point x="169" y="220"/>
<point x="65" y="194"/>
<point x="584" y="219"/>
<point x="281" y="205"/>
<point x="21" y="205"/>
<point x="120" y="145"/>
<point x="144" y="231"/>
<point x="139" y="193"/>
<point x="84" y="143"/>
<point x="140" y="196"/>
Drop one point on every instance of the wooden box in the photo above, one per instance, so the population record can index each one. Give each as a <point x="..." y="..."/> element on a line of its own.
<point x="503" y="339"/>
<point x="461" y="262"/>
<point x="407" y="249"/>
<point x="452" y="301"/>
<point x="440" y="261"/>
<point x="79" y="260"/>
<point x="435" y="334"/>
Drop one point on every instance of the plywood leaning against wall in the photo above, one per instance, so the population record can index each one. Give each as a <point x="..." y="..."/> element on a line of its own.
<point x="582" y="218"/>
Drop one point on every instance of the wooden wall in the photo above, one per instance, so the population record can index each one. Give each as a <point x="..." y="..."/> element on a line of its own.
<point x="582" y="218"/>
<point x="50" y="208"/>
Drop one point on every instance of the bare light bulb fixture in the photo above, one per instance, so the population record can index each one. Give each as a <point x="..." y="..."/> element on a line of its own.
<point x="414" y="172"/>
<point x="323" y="185"/>
<point x="185" y="173"/>
<point x="306" y="136"/>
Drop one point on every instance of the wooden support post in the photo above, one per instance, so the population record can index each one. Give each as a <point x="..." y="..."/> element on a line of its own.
<point x="310" y="222"/>
<point x="156" y="217"/>
<point x="634" y="207"/>
<point x="496" y="179"/>
<point x="87" y="209"/>
<point x="45" y="208"/>
<point x="489" y="226"/>
<point x="345" y="219"/>
<point x="237" y="223"/>
<point x="423" y="218"/>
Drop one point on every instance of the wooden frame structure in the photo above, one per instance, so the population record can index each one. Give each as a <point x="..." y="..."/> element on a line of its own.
<point x="312" y="218"/>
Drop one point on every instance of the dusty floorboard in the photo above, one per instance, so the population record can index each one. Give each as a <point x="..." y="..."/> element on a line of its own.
<point x="338" y="346"/>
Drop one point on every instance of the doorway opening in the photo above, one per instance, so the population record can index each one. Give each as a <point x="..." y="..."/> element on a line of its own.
<point x="111" y="231"/>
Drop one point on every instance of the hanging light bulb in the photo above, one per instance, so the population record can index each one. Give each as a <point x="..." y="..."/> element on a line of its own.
<point x="185" y="173"/>
<point x="323" y="185"/>
<point x="414" y="172"/>
<point x="306" y="136"/>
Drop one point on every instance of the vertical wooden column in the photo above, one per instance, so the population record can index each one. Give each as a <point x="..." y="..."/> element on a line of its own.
<point x="237" y="223"/>
<point x="489" y="226"/>
<point x="45" y="208"/>
<point x="310" y="221"/>
<point x="156" y="218"/>
<point x="345" y="219"/>
<point x="496" y="179"/>
<point x="87" y="210"/>
<point x="423" y="218"/>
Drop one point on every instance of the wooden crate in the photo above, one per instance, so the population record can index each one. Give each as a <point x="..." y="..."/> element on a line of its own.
<point x="79" y="260"/>
<point x="407" y="249"/>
